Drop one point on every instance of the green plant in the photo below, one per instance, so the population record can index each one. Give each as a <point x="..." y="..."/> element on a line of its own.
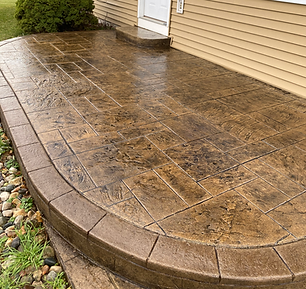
<point x="26" y="204"/>
<point x="8" y="24"/>
<point x="54" y="15"/>
<point x="2" y="242"/>
<point x="12" y="163"/>
<point x="14" y="261"/>
<point x="4" y="144"/>
<point x="12" y="219"/>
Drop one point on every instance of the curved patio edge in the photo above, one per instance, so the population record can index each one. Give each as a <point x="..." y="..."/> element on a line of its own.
<point x="152" y="260"/>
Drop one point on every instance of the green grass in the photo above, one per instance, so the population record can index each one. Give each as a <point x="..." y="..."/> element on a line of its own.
<point x="8" y="23"/>
<point x="14" y="261"/>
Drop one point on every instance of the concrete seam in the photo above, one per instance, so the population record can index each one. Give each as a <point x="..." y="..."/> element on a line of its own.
<point x="218" y="264"/>
<point x="292" y="274"/>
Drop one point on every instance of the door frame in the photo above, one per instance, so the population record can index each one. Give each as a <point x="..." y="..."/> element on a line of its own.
<point x="152" y="24"/>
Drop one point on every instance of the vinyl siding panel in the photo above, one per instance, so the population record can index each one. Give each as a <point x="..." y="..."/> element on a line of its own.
<point x="123" y="12"/>
<point x="264" y="39"/>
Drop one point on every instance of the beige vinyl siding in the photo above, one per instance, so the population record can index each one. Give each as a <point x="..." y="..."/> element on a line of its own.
<point x="264" y="39"/>
<point x="119" y="12"/>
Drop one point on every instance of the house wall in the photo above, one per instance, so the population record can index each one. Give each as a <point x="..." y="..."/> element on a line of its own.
<point x="119" y="12"/>
<point x="264" y="39"/>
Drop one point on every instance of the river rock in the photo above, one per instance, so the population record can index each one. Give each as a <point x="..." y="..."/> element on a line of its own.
<point x="18" y="220"/>
<point x="7" y="213"/>
<point x="16" y="202"/>
<point x="6" y="205"/>
<point x="4" y="196"/>
<point x="57" y="269"/>
<point x="3" y="221"/>
<point x="22" y="191"/>
<point x="13" y="195"/>
<point x="51" y="276"/>
<point x="16" y="242"/>
<point x="28" y="279"/>
<point x="16" y="181"/>
<point x="48" y="252"/>
<point x="20" y="212"/>
<point x="37" y="275"/>
<point x="51" y="261"/>
<point x="13" y="170"/>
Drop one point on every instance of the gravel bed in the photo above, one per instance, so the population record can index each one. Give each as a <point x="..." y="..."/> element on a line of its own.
<point x="18" y="214"/>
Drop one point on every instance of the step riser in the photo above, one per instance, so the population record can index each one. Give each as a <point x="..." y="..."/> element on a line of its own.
<point x="142" y="37"/>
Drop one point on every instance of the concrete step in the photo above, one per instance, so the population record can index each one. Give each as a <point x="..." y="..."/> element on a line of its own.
<point x="143" y="37"/>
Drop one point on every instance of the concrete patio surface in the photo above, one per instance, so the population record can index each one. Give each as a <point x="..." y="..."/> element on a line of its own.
<point x="168" y="169"/>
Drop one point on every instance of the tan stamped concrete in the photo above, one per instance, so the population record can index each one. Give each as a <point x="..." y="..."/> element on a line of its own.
<point x="168" y="169"/>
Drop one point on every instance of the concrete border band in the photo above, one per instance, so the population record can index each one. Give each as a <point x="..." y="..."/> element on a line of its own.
<point x="150" y="259"/>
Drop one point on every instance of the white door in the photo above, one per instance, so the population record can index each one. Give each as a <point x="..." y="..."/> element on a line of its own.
<point x="154" y="15"/>
<point x="156" y="9"/>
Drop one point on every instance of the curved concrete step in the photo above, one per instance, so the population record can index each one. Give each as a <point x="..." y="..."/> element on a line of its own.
<point x="140" y="255"/>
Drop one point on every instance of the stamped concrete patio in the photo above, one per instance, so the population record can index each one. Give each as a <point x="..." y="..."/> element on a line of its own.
<point x="208" y="164"/>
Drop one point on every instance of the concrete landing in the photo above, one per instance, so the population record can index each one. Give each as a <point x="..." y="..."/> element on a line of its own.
<point x="165" y="168"/>
<point x="142" y="37"/>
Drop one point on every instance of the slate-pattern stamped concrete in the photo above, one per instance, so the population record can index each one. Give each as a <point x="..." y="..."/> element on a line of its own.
<point x="168" y="169"/>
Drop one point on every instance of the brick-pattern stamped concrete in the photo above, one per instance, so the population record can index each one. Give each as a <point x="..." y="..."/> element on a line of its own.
<point x="167" y="169"/>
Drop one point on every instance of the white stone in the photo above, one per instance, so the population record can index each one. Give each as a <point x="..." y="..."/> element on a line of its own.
<point x="7" y="213"/>
<point x="56" y="269"/>
<point x="4" y="196"/>
<point x="13" y="170"/>
<point x="9" y="178"/>
<point x="6" y="206"/>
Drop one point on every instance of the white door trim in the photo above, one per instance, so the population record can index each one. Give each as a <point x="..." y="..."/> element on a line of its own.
<point x="152" y="24"/>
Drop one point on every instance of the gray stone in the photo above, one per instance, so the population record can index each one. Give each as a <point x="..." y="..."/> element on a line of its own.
<point x="9" y="188"/>
<point x="3" y="221"/>
<point x="22" y="191"/>
<point x="16" y="242"/>
<point x="51" y="276"/>
<point x="28" y="279"/>
<point x="6" y="225"/>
